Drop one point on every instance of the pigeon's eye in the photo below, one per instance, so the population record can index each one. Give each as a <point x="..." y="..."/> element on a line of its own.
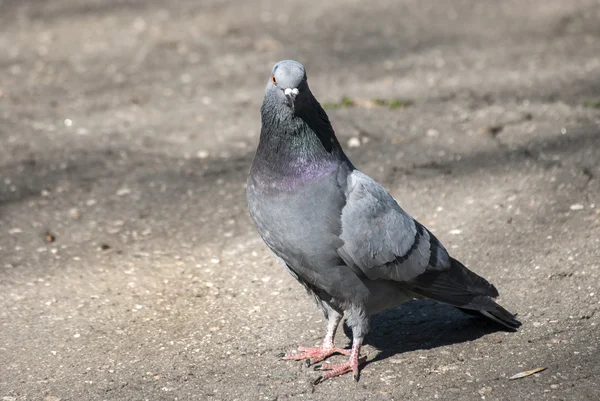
<point x="273" y="80"/>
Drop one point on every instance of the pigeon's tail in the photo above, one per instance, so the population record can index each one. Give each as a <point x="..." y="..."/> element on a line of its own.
<point x="495" y="313"/>
<point x="465" y="290"/>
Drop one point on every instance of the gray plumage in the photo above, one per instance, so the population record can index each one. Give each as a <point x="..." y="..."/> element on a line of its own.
<point x="340" y="233"/>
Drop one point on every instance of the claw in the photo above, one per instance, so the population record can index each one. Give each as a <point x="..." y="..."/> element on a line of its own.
<point x="318" y="380"/>
<point x="307" y="363"/>
<point x="280" y="355"/>
<point x="317" y="367"/>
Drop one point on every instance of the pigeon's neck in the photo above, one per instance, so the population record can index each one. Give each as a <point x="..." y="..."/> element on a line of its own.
<point x="295" y="149"/>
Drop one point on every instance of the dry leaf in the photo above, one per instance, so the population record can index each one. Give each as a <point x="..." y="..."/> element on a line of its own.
<point x="526" y="373"/>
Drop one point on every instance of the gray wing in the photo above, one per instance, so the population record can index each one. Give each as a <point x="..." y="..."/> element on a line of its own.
<point x="381" y="239"/>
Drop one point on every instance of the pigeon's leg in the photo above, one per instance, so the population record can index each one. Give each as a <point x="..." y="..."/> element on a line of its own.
<point x="351" y="366"/>
<point x="317" y="354"/>
<point x="359" y="322"/>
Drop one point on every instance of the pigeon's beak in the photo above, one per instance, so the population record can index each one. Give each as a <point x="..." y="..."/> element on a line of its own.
<point x="290" y="96"/>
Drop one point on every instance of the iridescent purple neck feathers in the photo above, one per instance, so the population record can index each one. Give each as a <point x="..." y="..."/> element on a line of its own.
<point x="296" y="146"/>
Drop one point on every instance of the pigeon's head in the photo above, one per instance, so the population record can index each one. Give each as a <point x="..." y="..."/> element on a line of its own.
<point x="287" y="82"/>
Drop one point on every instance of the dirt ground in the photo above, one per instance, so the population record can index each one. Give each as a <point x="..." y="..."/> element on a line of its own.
<point x="129" y="268"/>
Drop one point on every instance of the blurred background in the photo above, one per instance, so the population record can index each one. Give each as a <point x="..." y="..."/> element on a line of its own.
<point x="129" y="268"/>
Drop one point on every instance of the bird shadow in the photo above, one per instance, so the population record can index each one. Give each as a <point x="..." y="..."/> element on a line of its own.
<point x="422" y="325"/>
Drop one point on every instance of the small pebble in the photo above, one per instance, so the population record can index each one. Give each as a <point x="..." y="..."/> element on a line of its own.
<point x="123" y="191"/>
<point x="353" y="142"/>
<point x="74" y="213"/>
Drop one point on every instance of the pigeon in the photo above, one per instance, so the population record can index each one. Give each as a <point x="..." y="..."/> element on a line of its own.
<point x="340" y="233"/>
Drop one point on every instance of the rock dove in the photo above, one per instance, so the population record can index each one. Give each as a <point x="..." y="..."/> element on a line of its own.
<point x="340" y="233"/>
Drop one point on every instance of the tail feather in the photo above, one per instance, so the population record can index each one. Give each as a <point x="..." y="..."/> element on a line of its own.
<point x="465" y="290"/>
<point x="495" y="313"/>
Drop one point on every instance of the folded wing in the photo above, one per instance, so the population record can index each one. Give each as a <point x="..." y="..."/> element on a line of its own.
<point x="381" y="241"/>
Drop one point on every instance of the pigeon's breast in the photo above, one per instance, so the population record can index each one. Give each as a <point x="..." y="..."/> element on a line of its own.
<point x="300" y="224"/>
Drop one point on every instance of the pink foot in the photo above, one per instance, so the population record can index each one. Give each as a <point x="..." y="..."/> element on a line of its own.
<point x="315" y="354"/>
<point x="338" y="370"/>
